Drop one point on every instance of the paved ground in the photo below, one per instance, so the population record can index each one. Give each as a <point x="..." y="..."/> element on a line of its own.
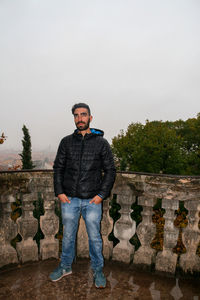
<point x="30" y="281"/>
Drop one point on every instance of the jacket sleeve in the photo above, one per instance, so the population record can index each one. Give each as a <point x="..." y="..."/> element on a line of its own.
<point x="59" y="168"/>
<point x="109" y="170"/>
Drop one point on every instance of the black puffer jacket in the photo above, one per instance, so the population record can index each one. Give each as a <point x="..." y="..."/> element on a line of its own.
<point x="79" y="164"/>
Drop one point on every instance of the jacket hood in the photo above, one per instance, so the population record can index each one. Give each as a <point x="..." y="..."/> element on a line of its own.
<point x="97" y="131"/>
<point x="94" y="131"/>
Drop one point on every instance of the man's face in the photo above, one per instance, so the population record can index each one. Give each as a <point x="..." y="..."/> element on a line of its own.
<point x="82" y="118"/>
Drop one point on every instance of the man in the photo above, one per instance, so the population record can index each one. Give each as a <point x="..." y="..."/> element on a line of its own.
<point x="81" y="188"/>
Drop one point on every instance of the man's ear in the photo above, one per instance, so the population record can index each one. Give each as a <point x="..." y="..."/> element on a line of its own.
<point x="91" y="117"/>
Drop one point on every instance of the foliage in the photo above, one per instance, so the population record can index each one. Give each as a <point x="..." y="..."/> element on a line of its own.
<point x="16" y="209"/>
<point x="2" y="138"/>
<point x="37" y="212"/>
<point x="114" y="213"/>
<point x="59" y="234"/>
<point x="137" y="217"/>
<point x="180" y="222"/>
<point x="26" y="153"/>
<point x="159" y="221"/>
<point x="159" y="147"/>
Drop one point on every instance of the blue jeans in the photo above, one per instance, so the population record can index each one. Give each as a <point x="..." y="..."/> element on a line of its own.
<point x="92" y="214"/>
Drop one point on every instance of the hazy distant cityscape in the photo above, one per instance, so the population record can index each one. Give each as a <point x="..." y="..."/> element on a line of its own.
<point x="11" y="160"/>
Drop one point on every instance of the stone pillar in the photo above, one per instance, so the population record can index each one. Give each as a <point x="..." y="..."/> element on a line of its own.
<point x="124" y="228"/>
<point x="27" y="227"/>
<point x="190" y="261"/>
<point x="146" y="230"/>
<point x="82" y="240"/>
<point x="49" y="224"/>
<point x="8" y="231"/>
<point x="106" y="228"/>
<point x="166" y="260"/>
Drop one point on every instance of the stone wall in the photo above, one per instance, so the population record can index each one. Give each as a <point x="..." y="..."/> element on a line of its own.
<point x="177" y="235"/>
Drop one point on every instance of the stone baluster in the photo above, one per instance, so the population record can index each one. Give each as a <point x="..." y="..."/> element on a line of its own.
<point x="8" y="231"/>
<point x="27" y="249"/>
<point x="49" y="224"/>
<point x="146" y="230"/>
<point x="124" y="228"/>
<point x="166" y="260"/>
<point x="106" y="228"/>
<point x="190" y="261"/>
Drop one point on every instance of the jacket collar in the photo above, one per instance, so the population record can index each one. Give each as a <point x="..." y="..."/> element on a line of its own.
<point x="94" y="132"/>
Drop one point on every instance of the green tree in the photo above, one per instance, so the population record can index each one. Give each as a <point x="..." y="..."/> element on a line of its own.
<point x="156" y="147"/>
<point x="160" y="149"/>
<point x="26" y="153"/>
<point x="189" y="131"/>
<point x="125" y="146"/>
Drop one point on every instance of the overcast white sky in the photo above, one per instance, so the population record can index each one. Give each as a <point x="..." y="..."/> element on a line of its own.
<point x="130" y="60"/>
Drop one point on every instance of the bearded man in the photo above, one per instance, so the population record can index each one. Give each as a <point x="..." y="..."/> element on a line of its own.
<point x="84" y="174"/>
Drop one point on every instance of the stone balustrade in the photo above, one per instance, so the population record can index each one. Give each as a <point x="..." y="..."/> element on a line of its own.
<point x="18" y="243"/>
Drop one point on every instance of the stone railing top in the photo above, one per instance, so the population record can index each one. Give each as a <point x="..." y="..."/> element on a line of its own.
<point x="118" y="172"/>
<point x="162" y="185"/>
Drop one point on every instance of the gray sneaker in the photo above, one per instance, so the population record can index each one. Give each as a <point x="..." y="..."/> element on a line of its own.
<point x="60" y="272"/>
<point x="99" y="279"/>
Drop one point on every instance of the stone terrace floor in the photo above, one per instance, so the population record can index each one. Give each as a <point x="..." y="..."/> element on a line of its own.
<point x="30" y="281"/>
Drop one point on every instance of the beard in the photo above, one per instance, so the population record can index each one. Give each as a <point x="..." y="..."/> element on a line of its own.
<point x="81" y="126"/>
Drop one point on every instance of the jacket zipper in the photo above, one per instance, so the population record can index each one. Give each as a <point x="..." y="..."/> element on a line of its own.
<point x="80" y="161"/>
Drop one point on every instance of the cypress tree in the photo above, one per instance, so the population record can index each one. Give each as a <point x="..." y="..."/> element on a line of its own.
<point x="26" y="153"/>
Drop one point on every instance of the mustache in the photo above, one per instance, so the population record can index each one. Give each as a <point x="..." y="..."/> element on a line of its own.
<point x="80" y="123"/>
